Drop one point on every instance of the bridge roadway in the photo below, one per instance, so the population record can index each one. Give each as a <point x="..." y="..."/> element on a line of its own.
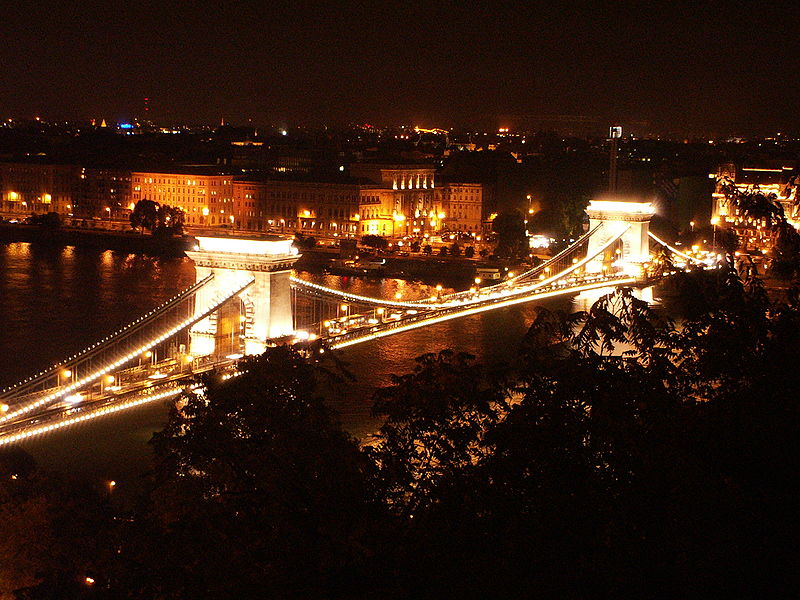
<point x="46" y="411"/>
<point x="168" y="378"/>
<point x="168" y="384"/>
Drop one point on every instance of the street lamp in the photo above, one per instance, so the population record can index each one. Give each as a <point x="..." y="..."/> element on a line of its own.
<point x="714" y="223"/>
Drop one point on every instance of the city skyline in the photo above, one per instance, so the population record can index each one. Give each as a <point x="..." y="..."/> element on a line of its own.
<point x="722" y="71"/>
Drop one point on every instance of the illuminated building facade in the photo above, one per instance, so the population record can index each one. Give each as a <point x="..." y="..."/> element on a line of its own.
<point x="777" y="179"/>
<point x="378" y="213"/>
<point x="405" y="205"/>
<point x="460" y="206"/>
<point x="32" y="188"/>
<point x="206" y="198"/>
<point x="104" y="193"/>
<point x="316" y="208"/>
<point x="396" y="177"/>
<point x="390" y="201"/>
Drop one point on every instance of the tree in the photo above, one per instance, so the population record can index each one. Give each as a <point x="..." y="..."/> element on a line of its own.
<point x="670" y="461"/>
<point x="161" y="220"/>
<point x="258" y="490"/>
<point x="52" y="534"/>
<point x="169" y="221"/>
<point x="510" y="230"/>
<point x="144" y="215"/>
<point x="375" y="241"/>
<point x="434" y="417"/>
<point x="302" y="242"/>
<point x="572" y="215"/>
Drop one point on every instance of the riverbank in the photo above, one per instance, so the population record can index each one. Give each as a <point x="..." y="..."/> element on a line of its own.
<point x="428" y="269"/>
<point x="103" y="239"/>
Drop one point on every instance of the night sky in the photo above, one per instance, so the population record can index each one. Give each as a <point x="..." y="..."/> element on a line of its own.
<point x="703" y="69"/>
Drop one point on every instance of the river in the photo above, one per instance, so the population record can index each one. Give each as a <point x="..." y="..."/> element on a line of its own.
<point x="57" y="300"/>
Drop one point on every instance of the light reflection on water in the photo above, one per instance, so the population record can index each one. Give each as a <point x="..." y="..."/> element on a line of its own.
<point x="55" y="301"/>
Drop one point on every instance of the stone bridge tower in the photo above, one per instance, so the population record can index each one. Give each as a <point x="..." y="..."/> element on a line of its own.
<point x="261" y="311"/>
<point x="615" y="217"/>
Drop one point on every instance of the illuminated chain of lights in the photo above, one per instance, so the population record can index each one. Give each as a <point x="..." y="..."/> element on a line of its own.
<point x="213" y="305"/>
<point x="579" y="264"/>
<point x="101" y="412"/>
<point x="351" y="297"/>
<point x="674" y="250"/>
<point x="449" y="301"/>
<point x="423" y="322"/>
<point x="525" y="275"/>
<point x="145" y="317"/>
<point x="508" y="297"/>
<point x="538" y="269"/>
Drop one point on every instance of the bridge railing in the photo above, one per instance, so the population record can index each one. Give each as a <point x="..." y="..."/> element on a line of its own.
<point x="475" y="297"/>
<point x="455" y="311"/>
<point x="45" y="377"/>
<point x="116" y="355"/>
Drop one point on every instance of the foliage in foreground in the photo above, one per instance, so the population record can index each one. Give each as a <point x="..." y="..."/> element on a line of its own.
<point x="619" y="455"/>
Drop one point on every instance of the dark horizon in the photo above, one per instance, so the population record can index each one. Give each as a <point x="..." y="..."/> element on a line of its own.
<point x="669" y="70"/>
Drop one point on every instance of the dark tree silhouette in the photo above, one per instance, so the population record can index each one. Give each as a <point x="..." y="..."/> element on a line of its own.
<point x="162" y="220"/>
<point x="256" y="472"/>
<point x="375" y="241"/>
<point x="510" y="230"/>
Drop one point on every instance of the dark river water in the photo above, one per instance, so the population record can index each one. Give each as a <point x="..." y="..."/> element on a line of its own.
<point x="55" y="301"/>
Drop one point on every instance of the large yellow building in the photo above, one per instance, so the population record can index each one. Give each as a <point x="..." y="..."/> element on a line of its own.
<point x="402" y="203"/>
<point x="461" y="206"/>
<point x="777" y="179"/>
<point x="207" y="199"/>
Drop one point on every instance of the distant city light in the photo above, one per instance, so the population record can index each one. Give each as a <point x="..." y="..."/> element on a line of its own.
<point x="539" y="241"/>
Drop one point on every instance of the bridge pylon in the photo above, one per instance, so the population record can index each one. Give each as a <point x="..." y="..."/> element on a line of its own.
<point x="630" y="221"/>
<point x="261" y="311"/>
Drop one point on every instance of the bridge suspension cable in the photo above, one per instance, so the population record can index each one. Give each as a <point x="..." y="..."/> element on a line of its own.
<point x="471" y="297"/>
<point x="675" y="250"/>
<point x="456" y="312"/>
<point x="496" y="298"/>
<point x="122" y="333"/>
<point x="321" y="290"/>
<point x="129" y="351"/>
<point x="530" y="273"/>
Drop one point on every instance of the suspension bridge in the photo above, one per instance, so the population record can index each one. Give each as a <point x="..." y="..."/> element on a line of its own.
<point x="246" y="298"/>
